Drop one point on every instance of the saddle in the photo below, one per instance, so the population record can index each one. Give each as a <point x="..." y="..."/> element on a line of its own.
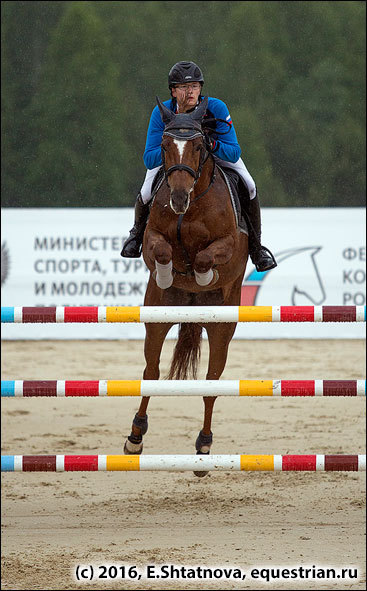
<point x="235" y="186"/>
<point x="157" y="181"/>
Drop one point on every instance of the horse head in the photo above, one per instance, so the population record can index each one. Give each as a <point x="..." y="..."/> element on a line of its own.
<point x="183" y="152"/>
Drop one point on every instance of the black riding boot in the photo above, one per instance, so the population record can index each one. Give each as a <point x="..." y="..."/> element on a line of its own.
<point x="133" y="245"/>
<point x="261" y="257"/>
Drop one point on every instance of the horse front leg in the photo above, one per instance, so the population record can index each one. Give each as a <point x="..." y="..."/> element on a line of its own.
<point x="160" y="255"/>
<point x="219" y="252"/>
<point x="219" y="337"/>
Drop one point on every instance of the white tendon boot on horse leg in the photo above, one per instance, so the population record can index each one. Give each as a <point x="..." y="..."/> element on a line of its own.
<point x="164" y="277"/>
<point x="204" y="278"/>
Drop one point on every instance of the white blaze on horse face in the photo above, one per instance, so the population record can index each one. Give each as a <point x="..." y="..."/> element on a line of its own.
<point x="181" y="147"/>
<point x="181" y="209"/>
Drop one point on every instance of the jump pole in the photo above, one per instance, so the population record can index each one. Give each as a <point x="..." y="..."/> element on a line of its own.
<point x="230" y="463"/>
<point x="176" y="314"/>
<point x="101" y="388"/>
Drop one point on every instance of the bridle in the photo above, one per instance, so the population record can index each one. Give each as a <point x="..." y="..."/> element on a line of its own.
<point x="190" y="133"/>
<point x="184" y="134"/>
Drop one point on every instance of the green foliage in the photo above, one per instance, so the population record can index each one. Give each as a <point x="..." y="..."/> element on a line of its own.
<point x="77" y="117"/>
<point x="26" y="28"/>
<point x="80" y="80"/>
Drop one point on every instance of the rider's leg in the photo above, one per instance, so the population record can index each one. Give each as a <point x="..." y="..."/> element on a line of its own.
<point x="261" y="257"/>
<point x="133" y="245"/>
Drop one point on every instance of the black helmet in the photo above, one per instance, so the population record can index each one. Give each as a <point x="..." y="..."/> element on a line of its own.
<point x="183" y="72"/>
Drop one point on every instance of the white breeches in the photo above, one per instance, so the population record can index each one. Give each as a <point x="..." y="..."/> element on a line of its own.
<point x="242" y="171"/>
<point x="146" y="189"/>
<point x="239" y="167"/>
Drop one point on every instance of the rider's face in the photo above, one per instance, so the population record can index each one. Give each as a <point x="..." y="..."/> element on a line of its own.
<point x="187" y="95"/>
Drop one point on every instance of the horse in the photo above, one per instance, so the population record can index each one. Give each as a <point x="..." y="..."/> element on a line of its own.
<point x="196" y="255"/>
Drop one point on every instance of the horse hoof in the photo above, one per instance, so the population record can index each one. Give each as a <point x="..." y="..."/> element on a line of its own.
<point x="131" y="449"/>
<point x="201" y="474"/>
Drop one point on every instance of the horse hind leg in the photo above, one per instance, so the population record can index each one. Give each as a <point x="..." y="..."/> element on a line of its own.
<point x="219" y="337"/>
<point x="134" y="442"/>
<point x="155" y="335"/>
<point x="203" y="444"/>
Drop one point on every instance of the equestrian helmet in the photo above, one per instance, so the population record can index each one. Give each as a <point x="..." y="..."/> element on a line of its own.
<point x="184" y="72"/>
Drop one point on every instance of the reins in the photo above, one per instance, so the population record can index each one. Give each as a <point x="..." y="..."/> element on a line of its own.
<point x="189" y="270"/>
<point x="212" y="181"/>
<point x="194" y="173"/>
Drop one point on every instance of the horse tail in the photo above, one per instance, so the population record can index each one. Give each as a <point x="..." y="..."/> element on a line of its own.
<point x="186" y="355"/>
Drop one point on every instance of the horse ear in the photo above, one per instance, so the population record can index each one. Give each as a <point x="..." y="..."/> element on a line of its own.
<point x="200" y="111"/>
<point x="166" y="114"/>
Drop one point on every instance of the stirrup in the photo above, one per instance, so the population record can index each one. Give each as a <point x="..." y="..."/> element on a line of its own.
<point x="263" y="259"/>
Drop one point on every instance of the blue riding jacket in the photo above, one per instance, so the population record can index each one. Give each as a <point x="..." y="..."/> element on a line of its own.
<point x="225" y="146"/>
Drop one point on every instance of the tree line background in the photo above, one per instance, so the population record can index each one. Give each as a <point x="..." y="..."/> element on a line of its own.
<point x="79" y="81"/>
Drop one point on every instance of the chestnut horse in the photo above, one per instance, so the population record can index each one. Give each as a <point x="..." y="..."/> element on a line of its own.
<point x="196" y="255"/>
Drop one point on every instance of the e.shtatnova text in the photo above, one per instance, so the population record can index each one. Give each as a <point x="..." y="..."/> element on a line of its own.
<point x="171" y="571"/>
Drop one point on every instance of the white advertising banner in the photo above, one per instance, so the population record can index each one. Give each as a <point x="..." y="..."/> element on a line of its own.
<point x="71" y="257"/>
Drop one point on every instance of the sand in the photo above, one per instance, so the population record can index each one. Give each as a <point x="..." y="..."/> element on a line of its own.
<point x="53" y="522"/>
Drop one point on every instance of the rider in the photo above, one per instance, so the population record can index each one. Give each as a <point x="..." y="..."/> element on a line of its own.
<point x="185" y="81"/>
